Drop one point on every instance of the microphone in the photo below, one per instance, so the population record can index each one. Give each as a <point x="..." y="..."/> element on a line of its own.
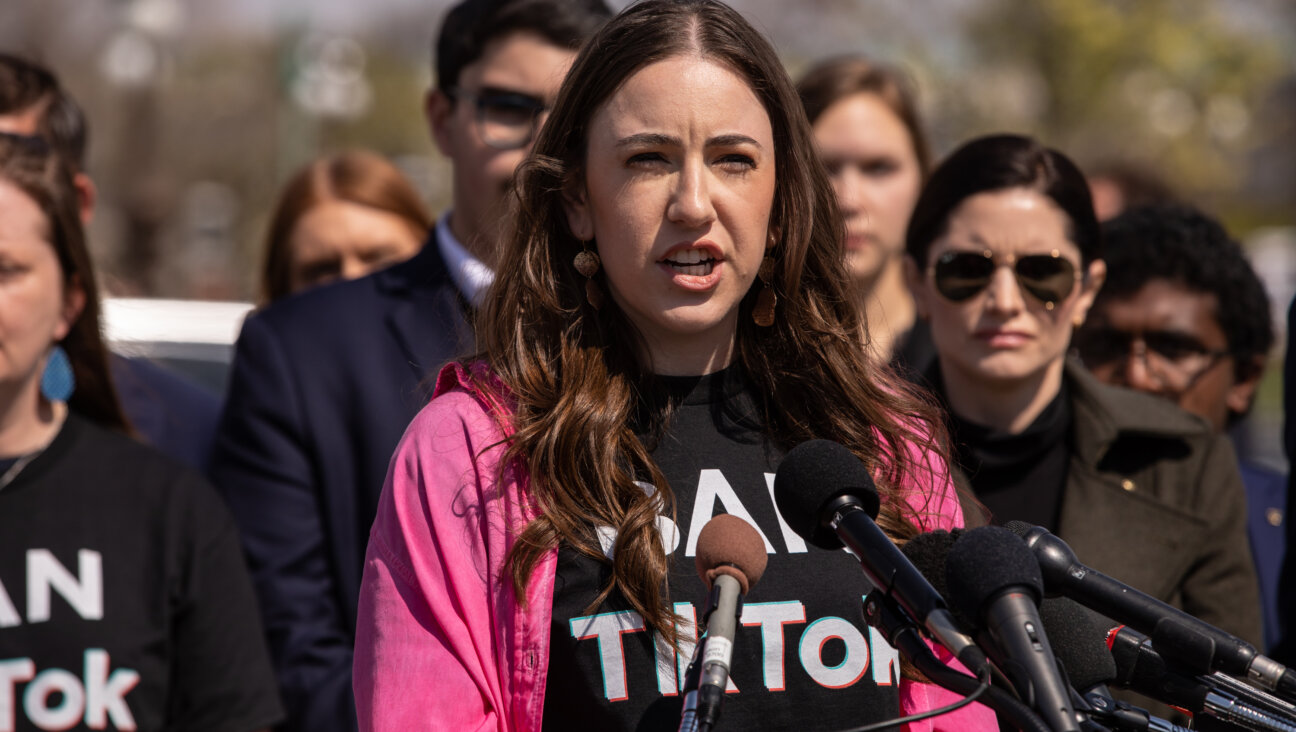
<point x="992" y="576"/>
<point x="730" y="560"/>
<point x="1140" y="668"/>
<point x="1077" y="642"/>
<point x="826" y="495"/>
<point x="1076" y="638"/>
<point x="1197" y="646"/>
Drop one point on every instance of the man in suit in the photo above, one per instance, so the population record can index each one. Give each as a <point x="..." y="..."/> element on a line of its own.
<point x="1183" y="315"/>
<point x="172" y="414"/>
<point x="325" y="382"/>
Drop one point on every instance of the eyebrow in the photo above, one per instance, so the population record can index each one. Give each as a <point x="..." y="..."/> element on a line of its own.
<point x="648" y="139"/>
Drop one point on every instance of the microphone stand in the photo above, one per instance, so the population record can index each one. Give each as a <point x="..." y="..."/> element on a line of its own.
<point x="881" y="612"/>
<point x="1118" y="715"/>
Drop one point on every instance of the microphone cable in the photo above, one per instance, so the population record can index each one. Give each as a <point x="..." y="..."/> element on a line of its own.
<point x="983" y="687"/>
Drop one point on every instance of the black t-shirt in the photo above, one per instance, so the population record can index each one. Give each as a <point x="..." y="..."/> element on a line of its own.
<point x="803" y="658"/>
<point x="124" y="601"/>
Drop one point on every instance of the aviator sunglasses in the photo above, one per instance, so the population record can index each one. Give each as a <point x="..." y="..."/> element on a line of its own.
<point x="1049" y="278"/>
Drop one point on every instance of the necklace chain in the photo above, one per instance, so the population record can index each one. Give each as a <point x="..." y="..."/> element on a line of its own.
<point x="12" y="473"/>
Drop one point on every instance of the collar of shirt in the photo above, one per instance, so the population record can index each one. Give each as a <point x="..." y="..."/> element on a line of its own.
<point x="470" y="275"/>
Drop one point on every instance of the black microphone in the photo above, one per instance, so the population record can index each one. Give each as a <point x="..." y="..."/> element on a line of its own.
<point x="1197" y="646"/>
<point x="826" y="495"/>
<point x="993" y="577"/>
<point x="730" y="560"/>
<point x="1078" y="642"/>
<point x="1141" y="669"/>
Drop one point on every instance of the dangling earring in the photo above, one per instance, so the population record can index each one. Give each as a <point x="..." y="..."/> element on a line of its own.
<point x="58" y="382"/>
<point x="587" y="264"/>
<point x="763" y="313"/>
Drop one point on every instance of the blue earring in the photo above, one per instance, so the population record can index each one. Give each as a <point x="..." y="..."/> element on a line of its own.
<point x="58" y="381"/>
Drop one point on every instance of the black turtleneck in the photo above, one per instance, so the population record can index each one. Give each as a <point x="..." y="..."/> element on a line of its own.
<point x="1019" y="477"/>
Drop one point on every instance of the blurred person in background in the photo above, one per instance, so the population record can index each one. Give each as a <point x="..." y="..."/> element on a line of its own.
<point x="1005" y="260"/>
<point x="138" y="608"/>
<point x="324" y="383"/>
<point x="341" y="217"/>
<point x="869" y="135"/>
<point x="1183" y="316"/>
<point x="172" y="413"/>
<point x="1120" y="184"/>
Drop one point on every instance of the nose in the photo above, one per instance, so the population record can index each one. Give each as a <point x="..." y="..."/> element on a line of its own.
<point x="690" y="204"/>
<point x="851" y="194"/>
<point x="1003" y="293"/>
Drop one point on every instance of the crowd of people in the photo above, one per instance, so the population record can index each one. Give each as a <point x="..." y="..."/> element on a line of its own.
<point x="459" y="473"/>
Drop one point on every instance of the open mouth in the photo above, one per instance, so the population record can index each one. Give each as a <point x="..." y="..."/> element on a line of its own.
<point x="695" y="262"/>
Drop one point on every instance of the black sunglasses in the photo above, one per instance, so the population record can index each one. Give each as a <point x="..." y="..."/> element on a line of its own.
<point x="1049" y="278"/>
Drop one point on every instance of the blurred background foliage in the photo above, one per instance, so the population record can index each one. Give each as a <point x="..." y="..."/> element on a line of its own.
<point x="200" y="111"/>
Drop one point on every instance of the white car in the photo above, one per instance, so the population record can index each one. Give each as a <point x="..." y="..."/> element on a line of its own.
<point x="192" y="337"/>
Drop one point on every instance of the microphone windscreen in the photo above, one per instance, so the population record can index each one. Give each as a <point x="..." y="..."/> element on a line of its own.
<point x="929" y="552"/>
<point x="984" y="562"/>
<point x="1078" y="642"/>
<point x="1019" y="527"/>
<point x="811" y="476"/>
<point x="729" y="545"/>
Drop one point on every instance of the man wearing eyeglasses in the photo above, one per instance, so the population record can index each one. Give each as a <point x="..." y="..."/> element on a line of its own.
<point x="324" y="383"/>
<point x="1184" y="316"/>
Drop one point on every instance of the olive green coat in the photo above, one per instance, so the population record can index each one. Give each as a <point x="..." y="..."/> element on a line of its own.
<point x="1153" y="498"/>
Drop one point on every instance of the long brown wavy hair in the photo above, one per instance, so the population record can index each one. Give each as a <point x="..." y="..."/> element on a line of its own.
<point x="32" y="165"/>
<point x="578" y="374"/>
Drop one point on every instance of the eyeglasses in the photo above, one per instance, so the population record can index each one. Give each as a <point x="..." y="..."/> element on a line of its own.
<point x="1049" y="278"/>
<point x="506" y="120"/>
<point x="29" y="144"/>
<point x="1175" y="360"/>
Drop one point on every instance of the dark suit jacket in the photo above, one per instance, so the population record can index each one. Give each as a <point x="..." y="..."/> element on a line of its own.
<point x="1285" y="652"/>
<point x="323" y="386"/>
<point x="1266" y="526"/>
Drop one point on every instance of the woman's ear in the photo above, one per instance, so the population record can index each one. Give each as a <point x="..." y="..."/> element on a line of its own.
<point x="914" y="279"/>
<point x="1093" y="280"/>
<point x="579" y="218"/>
<point x="74" y="299"/>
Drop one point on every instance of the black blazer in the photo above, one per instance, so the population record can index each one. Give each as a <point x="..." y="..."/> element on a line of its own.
<point x="322" y="387"/>
<point x="1285" y="652"/>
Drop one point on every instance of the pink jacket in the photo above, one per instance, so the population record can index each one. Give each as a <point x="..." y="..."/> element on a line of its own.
<point x="441" y="641"/>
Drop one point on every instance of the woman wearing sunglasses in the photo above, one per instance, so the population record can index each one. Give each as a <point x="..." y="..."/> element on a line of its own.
<point x="1004" y="260"/>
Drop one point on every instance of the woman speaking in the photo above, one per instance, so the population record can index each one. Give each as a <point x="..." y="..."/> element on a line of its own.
<point x="670" y="317"/>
